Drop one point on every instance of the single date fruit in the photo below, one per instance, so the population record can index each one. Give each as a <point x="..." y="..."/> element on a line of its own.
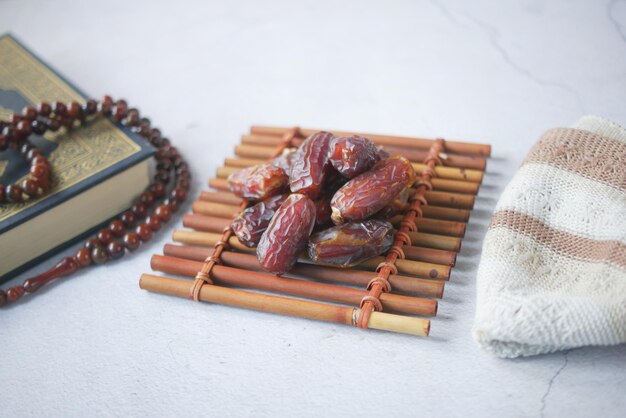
<point x="352" y="155"/>
<point x="397" y="206"/>
<point x="253" y="221"/>
<point x="287" y="234"/>
<point x="350" y="244"/>
<point x="258" y="182"/>
<point x="311" y="165"/>
<point x="371" y="191"/>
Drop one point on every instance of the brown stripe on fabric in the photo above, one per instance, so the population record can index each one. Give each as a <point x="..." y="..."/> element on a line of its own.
<point x="565" y="243"/>
<point x="582" y="152"/>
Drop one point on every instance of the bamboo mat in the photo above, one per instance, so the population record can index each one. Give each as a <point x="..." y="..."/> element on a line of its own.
<point x="395" y="292"/>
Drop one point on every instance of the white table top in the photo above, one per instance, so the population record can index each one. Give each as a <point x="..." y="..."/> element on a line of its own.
<point x="482" y="71"/>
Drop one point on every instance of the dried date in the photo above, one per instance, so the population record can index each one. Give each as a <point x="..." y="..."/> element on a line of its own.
<point x="371" y="191"/>
<point x="399" y="205"/>
<point x="311" y="165"/>
<point x="253" y="221"/>
<point x="351" y="243"/>
<point x="258" y="182"/>
<point x="353" y="155"/>
<point x="287" y="234"/>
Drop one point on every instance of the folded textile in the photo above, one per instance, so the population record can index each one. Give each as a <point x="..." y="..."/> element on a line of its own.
<point x="552" y="274"/>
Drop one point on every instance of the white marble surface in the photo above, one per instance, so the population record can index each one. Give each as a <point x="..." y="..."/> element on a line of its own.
<point x="497" y="72"/>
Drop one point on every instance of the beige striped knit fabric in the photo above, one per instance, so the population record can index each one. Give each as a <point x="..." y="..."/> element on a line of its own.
<point x="552" y="275"/>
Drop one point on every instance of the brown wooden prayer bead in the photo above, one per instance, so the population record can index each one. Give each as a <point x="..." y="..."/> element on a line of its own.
<point x="139" y="209"/>
<point x="83" y="256"/>
<point x="39" y="170"/>
<point x="115" y="249"/>
<point x="131" y="240"/>
<point x="119" y="110"/>
<point x="146" y="198"/>
<point x="105" y="236"/>
<point x="164" y="212"/>
<point x="184" y="183"/>
<point x="132" y="117"/>
<point x="30" y="187"/>
<point x="179" y="194"/>
<point x="59" y="108"/>
<point x="144" y="232"/>
<point x="14" y="193"/>
<point x="44" y="109"/>
<point x="24" y="128"/>
<point x="162" y="175"/>
<point x="92" y="243"/>
<point x="173" y="204"/>
<point x="154" y="222"/>
<point x="117" y="227"/>
<point x="158" y="189"/>
<point x="99" y="255"/>
<point x="40" y="159"/>
<point x="105" y="106"/>
<point x="29" y="112"/>
<point x="90" y="107"/>
<point x="128" y="218"/>
<point x="74" y="110"/>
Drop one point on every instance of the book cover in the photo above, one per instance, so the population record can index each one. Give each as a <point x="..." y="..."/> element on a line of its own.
<point x="79" y="159"/>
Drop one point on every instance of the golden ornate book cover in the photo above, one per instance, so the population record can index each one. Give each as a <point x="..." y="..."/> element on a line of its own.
<point x="98" y="152"/>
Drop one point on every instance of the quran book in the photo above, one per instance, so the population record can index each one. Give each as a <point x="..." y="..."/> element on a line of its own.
<point x="97" y="169"/>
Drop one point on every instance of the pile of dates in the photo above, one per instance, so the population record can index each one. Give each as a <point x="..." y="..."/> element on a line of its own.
<point x="330" y="197"/>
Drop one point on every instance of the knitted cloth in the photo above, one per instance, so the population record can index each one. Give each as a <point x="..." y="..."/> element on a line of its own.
<point x="552" y="275"/>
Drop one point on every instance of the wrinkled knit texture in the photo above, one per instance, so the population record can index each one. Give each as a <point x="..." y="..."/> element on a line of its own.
<point x="552" y="274"/>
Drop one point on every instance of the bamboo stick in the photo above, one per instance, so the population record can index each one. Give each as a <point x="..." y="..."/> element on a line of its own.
<point x="448" y="160"/>
<point x="394" y="141"/>
<point x="430" y="211"/>
<point x="439" y="242"/>
<point x="216" y="209"/>
<point x="399" y="283"/>
<point x="449" y="200"/>
<point x="455" y="186"/>
<point x="293" y="287"/>
<point x="226" y="198"/>
<point x="255" y="151"/>
<point x="436" y="226"/>
<point x="285" y="306"/>
<point x="243" y="162"/>
<point x="452" y="173"/>
<point x="216" y="225"/>
<point x="416" y="268"/>
<point x="450" y="228"/>
<point x="412" y="154"/>
<point x="447" y="214"/>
